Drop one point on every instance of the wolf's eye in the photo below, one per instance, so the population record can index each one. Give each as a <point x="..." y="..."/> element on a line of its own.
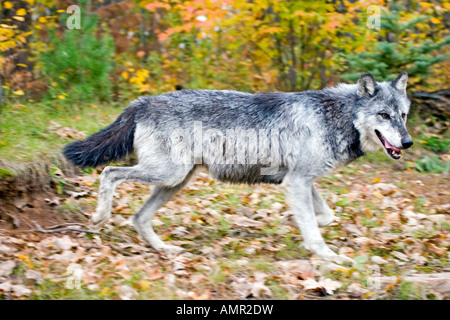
<point x="403" y="116"/>
<point x="384" y="115"/>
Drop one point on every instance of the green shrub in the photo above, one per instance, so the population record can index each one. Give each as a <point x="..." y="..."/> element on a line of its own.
<point x="78" y="66"/>
<point x="431" y="165"/>
<point x="396" y="52"/>
<point x="436" y="144"/>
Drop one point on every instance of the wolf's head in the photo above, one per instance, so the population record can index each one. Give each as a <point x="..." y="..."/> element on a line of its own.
<point x="382" y="108"/>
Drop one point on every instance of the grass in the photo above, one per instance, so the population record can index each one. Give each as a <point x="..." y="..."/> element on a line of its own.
<point x="5" y="172"/>
<point x="431" y="165"/>
<point x="436" y="144"/>
<point x="411" y="291"/>
<point x="377" y="157"/>
<point x="26" y="132"/>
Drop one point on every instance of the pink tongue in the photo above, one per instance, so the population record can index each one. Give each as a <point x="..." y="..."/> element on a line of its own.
<point x="390" y="146"/>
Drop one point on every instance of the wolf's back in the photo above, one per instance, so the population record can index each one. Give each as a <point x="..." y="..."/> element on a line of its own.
<point x="111" y="143"/>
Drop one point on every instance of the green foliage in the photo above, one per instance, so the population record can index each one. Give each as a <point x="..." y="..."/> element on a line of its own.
<point x="431" y="165"/>
<point x="78" y="66"/>
<point x="400" y="48"/>
<point x="57" y="180"/>
<point x="5" y="172"/>
<point x="359" y="261"/>
<point x="27" y="132"/>
<point x="410" y="291"/>
<point x="254" y="45"/>
<point x="436" y="144"/>
<point x="343" y="202"/>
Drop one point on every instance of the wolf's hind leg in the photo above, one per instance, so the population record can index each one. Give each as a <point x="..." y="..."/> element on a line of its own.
<point x="105" y="196"/>
<point x="111" y="177"/>
<point x="142" y="219"/>
<point x="324" y="214"/>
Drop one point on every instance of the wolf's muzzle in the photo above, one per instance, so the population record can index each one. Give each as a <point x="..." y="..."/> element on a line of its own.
<point x="407" y="143"/>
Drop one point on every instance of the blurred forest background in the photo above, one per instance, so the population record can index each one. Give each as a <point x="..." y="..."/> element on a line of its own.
<point x="129" y="48"/>
<point x="65" y="74"/>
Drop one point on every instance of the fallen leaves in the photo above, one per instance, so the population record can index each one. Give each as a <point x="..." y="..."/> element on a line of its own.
<point x="253" y="287"/>
<point x="66" y="132"/>
<point x="15" y="290"/>
<point x="6" y="268"/>
<point x="244" y="222"/>
<point x="239" y="243"/>
<point x="322" y="284"/>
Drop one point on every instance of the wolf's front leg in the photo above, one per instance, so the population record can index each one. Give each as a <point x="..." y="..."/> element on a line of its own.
<point x="300" y="197"/>
<point x="324" y="214"/>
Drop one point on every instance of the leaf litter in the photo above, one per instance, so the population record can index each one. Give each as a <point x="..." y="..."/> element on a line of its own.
<point x="239" y="241"/>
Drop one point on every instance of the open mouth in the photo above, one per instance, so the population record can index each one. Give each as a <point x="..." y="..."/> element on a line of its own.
<point x="393" y="152"/>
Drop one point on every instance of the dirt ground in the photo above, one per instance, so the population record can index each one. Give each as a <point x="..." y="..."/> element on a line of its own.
<point x="239" y="241"/>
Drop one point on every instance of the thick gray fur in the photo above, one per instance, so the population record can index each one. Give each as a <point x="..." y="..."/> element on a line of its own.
<point x="290" y="138"/>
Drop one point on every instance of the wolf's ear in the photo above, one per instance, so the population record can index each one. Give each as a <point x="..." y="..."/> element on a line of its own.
<point x="401" y="82"/>
<point x="366" y="85"/>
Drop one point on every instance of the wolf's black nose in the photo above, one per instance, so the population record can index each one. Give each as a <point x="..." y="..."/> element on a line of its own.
<point x="407" y="143"/>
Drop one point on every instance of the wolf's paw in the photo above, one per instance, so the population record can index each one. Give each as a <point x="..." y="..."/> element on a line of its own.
<point x="170" y="250"/>
<point x="341" y="259"/>
<point x="325" y="219"/>
<point x="96" y="225"/>
<point x="325" y="253"/>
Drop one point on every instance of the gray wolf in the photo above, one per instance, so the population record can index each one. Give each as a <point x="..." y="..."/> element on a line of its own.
<point x="274" y="137"/>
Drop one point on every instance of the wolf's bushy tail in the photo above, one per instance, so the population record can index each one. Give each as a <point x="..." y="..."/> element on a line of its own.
<point x="111" y="143"/>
